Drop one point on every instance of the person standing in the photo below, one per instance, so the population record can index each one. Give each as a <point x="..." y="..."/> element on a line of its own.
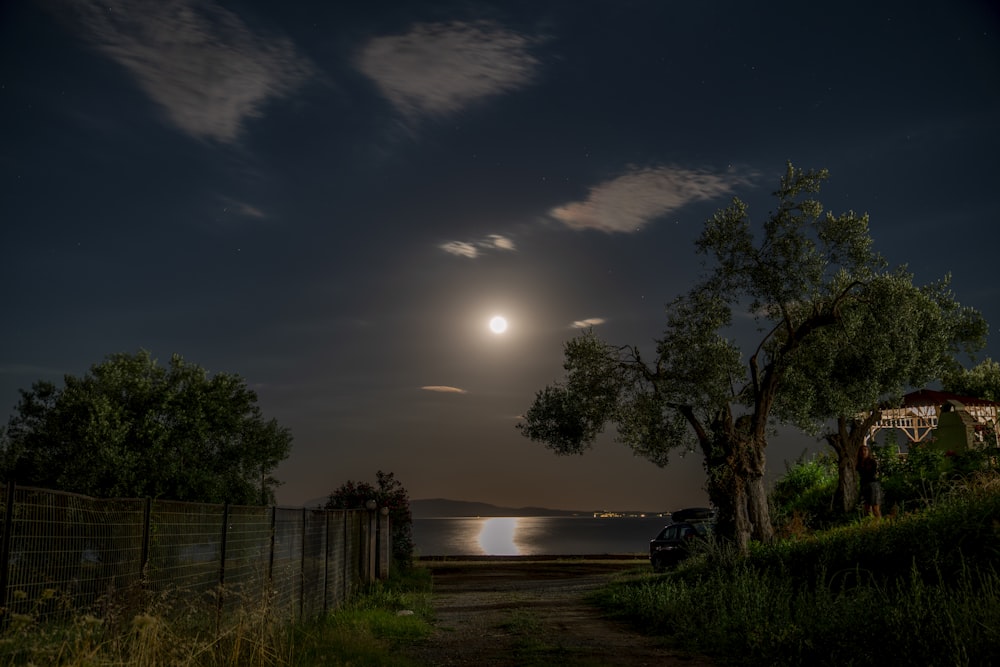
<point x="871" y="488"/>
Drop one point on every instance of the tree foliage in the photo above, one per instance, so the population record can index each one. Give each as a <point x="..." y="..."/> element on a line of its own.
<point x="133" y="428"/>
<point x="895" y="336"/>
<point x="980" y="381"/>
<point x="808" y="281"/>
<point x="387" y="492"/>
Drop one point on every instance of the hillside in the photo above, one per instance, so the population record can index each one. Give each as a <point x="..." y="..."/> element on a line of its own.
<point x="443" y="507"/>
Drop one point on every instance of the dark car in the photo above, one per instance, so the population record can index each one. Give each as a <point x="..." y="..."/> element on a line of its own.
<point x="674" y="542"/>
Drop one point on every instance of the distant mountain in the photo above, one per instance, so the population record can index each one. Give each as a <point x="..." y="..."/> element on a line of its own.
<point x="438" y="507"/>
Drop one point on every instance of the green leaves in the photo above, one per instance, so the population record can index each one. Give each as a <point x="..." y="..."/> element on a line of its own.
<point x="981" y="381"/>
<point x="837" y="330"/>
<point x="568" y="417"/>
<point x="133" y="428"/>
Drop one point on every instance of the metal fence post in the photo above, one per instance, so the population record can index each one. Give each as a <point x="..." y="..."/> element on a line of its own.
<point x="346" y="565"/>
<point x="222" y="562"/>
<point x="326" y="558"/>
<point x="8" y="527"/>
<point x="302" y="569"/>
<point x="270" y="560"/>
<point x="147" y="514"/>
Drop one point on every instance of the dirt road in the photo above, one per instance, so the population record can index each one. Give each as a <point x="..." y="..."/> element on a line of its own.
<point x="532" y="613"/>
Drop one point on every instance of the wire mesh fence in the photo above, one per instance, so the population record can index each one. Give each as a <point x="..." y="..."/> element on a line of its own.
<point x="63" y="554"/>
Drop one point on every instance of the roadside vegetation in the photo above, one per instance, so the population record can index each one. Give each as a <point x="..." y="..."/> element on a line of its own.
<point x="363" y="633"/>
<point x="920" y="586"/>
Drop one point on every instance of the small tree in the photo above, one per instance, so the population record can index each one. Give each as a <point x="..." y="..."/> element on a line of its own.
<point x="387" y="492"/>
<point x="133" y="428"/>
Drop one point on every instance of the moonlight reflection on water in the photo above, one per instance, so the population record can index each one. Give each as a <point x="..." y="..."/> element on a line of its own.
<point x="497" y="537"/>
<point x="533" y="535"/>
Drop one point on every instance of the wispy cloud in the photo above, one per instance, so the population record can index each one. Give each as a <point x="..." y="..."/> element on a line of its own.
<point x="200" y="62"/>
<point x="473" y="249"/>
<point x="235" y="207"/>
<point x="630" y="202"/>
<point x="444" y="389"/>
<point x="437" y="69"/>
<point x="588" y="323"/>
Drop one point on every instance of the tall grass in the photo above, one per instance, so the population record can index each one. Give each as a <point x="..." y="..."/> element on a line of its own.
<point x="187" y="633"/>
<point x="923" y="589"/>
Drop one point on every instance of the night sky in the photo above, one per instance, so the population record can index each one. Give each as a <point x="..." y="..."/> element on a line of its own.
<point x="333" y="199"/>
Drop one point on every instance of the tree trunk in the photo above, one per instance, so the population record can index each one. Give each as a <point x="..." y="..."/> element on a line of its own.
<point x="846" y="442"/>
<point x="743" y="524"/>
<point x="735" y="467"/>
<point x="759" y="514"/>
<point x="726" y="483"/>
<point x="848" y="491"/>
<point x="737" y="488"/>
<point x="727" y="490"/>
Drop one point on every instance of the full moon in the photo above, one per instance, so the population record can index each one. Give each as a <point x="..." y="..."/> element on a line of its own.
<point x="498" y="325"/>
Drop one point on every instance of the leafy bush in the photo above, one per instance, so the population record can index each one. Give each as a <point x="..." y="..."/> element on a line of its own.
<point x="802" y="499"/>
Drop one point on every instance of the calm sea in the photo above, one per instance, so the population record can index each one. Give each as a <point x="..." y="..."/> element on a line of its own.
<point x="533" y="536"/>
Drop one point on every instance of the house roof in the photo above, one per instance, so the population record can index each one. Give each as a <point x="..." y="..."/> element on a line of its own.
<point x="922" y="397"/>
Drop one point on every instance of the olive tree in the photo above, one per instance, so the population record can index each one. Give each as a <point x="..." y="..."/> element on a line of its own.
<point x="702" y="388"/>
<point x="895" y="336"/>
<point x="133" y="428"/>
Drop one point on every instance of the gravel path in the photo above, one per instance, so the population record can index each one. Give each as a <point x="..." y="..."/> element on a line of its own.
<point x="532" y="613"/>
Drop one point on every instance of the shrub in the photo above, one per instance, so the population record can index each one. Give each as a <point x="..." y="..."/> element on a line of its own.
<point x="802" y="500"/>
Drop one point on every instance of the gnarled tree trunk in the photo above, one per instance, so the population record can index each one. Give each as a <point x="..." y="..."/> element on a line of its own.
<point x="846" y="441"/>
<point x="757" y="506"/>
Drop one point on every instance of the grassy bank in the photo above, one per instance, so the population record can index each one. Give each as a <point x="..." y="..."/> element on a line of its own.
<point x="922" y="589"/>
<point x="363" y="633"/>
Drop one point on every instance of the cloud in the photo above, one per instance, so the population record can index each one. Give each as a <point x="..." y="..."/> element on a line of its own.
<point x="501" y="242"/>
<point x="241" y="208"/>
<point x="630" y="202"/>
<point x="436" y="69"/>
<point x="587" y="323"/>
<point x="197" y="60"/>
<point x="460" y="248"/>
<point x="471" y="249"/>
<point x="444" y="389"/>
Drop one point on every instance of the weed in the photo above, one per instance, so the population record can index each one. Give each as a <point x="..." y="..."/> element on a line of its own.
<point x="187" y="631"/>
<point x="922" y="589"/>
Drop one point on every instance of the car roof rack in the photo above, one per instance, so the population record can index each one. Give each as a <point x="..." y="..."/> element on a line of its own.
<point x="693" y="514"/>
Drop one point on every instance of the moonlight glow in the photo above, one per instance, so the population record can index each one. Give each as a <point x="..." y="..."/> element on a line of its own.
<point x="498" y="325"/>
